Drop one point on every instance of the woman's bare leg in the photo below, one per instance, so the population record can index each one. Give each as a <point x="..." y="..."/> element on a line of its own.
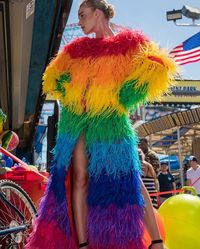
<point x="80" y="190"/>
<point x="150" y="219"/>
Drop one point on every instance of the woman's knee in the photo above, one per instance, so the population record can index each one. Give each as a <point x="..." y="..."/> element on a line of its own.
<point x="80" y="180"/>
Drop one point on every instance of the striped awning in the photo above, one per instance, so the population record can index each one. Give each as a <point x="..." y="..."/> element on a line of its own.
<point x="176" y="119"/>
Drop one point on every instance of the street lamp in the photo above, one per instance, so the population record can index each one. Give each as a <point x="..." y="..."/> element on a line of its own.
<point x="174" y="15"/>
<point x="187" y="11"/>
<point x="191" y="12"/>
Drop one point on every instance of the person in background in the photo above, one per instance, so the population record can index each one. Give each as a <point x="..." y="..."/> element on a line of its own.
<point x="150" y="156"/>
<point x="149" y="178"/>
<point x="193" y="174"/>
<point x="166" y="181"/>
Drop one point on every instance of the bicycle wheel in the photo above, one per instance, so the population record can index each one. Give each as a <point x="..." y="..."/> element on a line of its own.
<point x="10" y="218"/>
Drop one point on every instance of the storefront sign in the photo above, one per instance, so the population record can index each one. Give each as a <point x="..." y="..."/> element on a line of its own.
<point x="185" y="91"/>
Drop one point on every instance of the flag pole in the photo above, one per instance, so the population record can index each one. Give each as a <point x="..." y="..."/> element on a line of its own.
<point x="180" y="157"/>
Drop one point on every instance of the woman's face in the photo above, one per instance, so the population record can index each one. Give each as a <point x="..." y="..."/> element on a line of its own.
<point x="87" y="19"/>
<point x="164" y="167"/>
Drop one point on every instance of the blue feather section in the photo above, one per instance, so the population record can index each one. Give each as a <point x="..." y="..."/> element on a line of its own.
<point x="58" y="182"/>
<point x="65" y="144"/>
<point x="114" y="159"/>
<point x="106" y="190"/>
<point x="62" y="159"/>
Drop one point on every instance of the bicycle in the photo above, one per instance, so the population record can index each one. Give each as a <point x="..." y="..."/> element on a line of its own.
<point x="17" y="213"/>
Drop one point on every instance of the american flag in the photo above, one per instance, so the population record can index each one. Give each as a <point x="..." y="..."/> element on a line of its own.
<point x="188" y="51"/>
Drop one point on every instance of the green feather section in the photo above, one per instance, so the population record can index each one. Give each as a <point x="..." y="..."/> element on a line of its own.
<point x="64" y="78"/>
<point x="130" y="95"/>
<point x="96" y="129"/>
<point x="72" y="123"/>
<point x="108" y="129"/>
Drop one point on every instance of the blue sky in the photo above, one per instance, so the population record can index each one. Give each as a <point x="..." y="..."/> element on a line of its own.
<point x="150" y="17"/>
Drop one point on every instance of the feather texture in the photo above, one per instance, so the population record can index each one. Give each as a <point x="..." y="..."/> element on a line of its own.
<point x="117" y="227"/>
<point x="98" y="81"/>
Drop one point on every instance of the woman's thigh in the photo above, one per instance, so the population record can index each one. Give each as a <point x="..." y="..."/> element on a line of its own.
<point x="79" y="157"/>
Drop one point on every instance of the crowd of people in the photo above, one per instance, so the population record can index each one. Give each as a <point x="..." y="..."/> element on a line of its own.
<point x="157" y="177"/>
<point x="155" y="174"/>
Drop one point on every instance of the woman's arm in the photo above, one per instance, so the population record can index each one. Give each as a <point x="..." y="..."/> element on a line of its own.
<point x="150" y="220"/>
<point x="151" y="173"/>
<point x="148" y="74"/>
<point x="153" y="68"/>
<point x="174" y="185"/>
<point x="173" y="182"/>
<point x="157" y="185"/>
<point x="57" y="76"/>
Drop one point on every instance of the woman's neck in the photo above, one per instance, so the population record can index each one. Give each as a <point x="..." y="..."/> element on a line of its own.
<point x="103" y="30"/>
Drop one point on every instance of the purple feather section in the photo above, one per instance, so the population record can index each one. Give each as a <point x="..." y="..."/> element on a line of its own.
<point x="114" y="227"/>
<point x="52" y="228"/>
<point x="51" y="211"/>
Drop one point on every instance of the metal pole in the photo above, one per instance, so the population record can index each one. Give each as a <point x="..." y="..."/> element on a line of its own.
<point x="150" y="141"/>
<point x="143" y="112"/>
<point x="169" y="163"/>
<point x="180" y="157"/>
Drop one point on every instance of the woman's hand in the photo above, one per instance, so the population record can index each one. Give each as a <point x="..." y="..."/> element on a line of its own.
<point x="158" y="246"/>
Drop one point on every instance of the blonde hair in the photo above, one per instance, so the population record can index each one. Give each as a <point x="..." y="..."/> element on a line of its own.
<point x="108" y="9"/>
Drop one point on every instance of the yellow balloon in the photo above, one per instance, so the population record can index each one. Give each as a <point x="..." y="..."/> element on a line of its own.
<point x="181" y="217"/>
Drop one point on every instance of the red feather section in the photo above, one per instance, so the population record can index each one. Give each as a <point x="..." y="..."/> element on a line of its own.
<point x="96" y="47"/>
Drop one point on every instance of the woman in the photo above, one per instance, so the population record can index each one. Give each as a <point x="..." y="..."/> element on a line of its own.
<point x="97" y="81"/>
<point x="149" y="177"/>
<point x="166" y="181"/>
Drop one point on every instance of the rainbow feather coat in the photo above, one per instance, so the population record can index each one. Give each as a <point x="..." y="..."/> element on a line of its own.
<point x="98" y="80"/>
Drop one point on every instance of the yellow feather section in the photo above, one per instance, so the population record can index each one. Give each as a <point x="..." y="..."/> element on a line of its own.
<point x="154" y="67"/>
<point x="75" y="90"/>
<point x="74" y="98"/>
<point x="101" y="99"/>
<point x="57" y="66"/>
<point x="49" y="78"/>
